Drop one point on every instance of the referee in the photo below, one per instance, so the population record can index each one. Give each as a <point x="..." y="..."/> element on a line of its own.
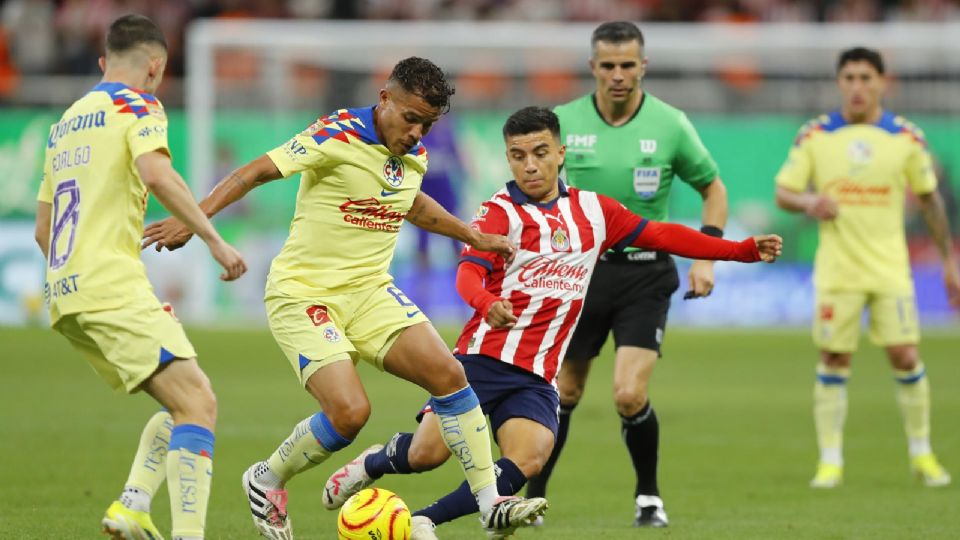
<point x="629" y="145"/>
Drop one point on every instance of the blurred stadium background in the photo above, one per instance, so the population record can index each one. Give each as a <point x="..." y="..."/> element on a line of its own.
<point x="245" y="75"/>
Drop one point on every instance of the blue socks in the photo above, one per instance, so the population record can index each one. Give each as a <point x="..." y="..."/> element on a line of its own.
<point x="462" y="502"/>
<point x="392" y="459"/>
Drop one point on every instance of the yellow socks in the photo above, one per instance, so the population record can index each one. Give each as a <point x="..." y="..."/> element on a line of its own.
<point x="149" y="468"/>
<point x="830" y="411"/>
<point x="464" y="430"/>
<point x="189" y="472"/>
<point x="311" y="443"/>
<point x="913" y="395"/>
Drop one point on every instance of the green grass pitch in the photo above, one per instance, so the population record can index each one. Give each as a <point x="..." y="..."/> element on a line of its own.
<point x="737" y="443"/>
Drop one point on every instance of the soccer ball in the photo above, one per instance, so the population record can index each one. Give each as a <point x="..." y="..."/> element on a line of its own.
<point x="374" y="514"/>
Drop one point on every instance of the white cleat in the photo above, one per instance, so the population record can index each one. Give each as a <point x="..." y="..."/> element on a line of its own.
<point x="422" y="528"/>
<point x="650" y="512"/>
<point x="268" y="508"/>
<point x="510" y="513"/>
<point x="348" y="480"/>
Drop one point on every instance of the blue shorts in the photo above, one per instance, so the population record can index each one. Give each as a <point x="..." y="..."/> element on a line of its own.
<point x="506" y="391"/>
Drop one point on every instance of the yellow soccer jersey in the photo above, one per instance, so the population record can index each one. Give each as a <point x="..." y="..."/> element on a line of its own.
<point x="353" y="197"/>
<point x="98" y="198"/>
<point x="866" y="168"/>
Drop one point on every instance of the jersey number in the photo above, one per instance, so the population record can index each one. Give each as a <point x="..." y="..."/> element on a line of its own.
<point x="66" y="215"/>
<point x="401" y="298"/>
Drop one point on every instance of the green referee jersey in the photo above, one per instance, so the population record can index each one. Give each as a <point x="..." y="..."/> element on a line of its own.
<point x="634" y="163"/>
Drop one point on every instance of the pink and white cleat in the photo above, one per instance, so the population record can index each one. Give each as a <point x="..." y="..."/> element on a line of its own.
<point x="348" y="480"/>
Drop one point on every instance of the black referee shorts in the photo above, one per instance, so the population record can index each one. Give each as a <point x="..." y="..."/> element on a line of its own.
<point x="629" y="294"/>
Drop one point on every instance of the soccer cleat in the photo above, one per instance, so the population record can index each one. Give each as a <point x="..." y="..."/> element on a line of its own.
<point x="539" y="522"/>
<point x="348" y="480"/>
<point x="828" y="476"/>
<point x="422" y="528"/>
<point x="122" y="523"/>
<point x="928" y="469"/>
<point x="650" y="512"/>
<point x="268" y="507"/>
<point x="510" y="513"/>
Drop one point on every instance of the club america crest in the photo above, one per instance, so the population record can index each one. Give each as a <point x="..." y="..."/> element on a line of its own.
<point x="560" y="240"/>
<point x="330" y="334"/>
<point x="393" y="171"/>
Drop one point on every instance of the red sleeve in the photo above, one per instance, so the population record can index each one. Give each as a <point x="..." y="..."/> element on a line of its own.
<point x="622" y="224"/>
<point x="686" y="242"/>
<point x="470" y="287"/>
<point x="490" y="219"/>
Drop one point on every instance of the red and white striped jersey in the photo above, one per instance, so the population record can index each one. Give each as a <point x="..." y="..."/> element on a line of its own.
<point x="558" y="246"/>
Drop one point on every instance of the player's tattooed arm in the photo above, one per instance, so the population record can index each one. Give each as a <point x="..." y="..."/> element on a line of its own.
<point x="239" y="181"/>
<point x="427" y="214"/>
<point x="423" y="215"/>
<point x="935" y="215"/>
<point x="170" y="233"/>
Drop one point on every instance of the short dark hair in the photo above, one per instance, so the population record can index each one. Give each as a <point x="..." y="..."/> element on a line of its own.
<point x="531" y="120"/>
<point x="861" y="54"/>
<point x="616" y="32"/>
<point x="132" y="30"/>
<point x="422" y="77"/>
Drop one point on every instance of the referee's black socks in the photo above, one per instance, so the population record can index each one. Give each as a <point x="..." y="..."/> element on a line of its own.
<point x="641" y="434"/>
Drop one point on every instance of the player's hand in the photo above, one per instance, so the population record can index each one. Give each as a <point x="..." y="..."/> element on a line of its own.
<point x="494" y="243"/>
<point x="168" y="233"/>
<point x="500" y="315"/>
<point x="700" y="279"/>
<point x="770" y="247"/>
<point x="230" y="259"/>
<point x="822" y="208"/>
<point x="951" y="280"/>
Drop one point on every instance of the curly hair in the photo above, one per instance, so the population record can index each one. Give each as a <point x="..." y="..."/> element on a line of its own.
<point x="423" y="78"/>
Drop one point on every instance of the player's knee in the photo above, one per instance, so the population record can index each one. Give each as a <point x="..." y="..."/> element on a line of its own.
<point x="570" y="390"/>
<point x="349" y="418"/>
<point x="836" y="359"/>
<point x="903" y="357"/>
<point x="531" y="465"/>
<point x="629" y="399"/>
<point x="448" y="379"/>
<point x="201" y="406"/>
<point x="427" y="457"/>
<point x="209" y="406"/>
<point x="570" y="395"/>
